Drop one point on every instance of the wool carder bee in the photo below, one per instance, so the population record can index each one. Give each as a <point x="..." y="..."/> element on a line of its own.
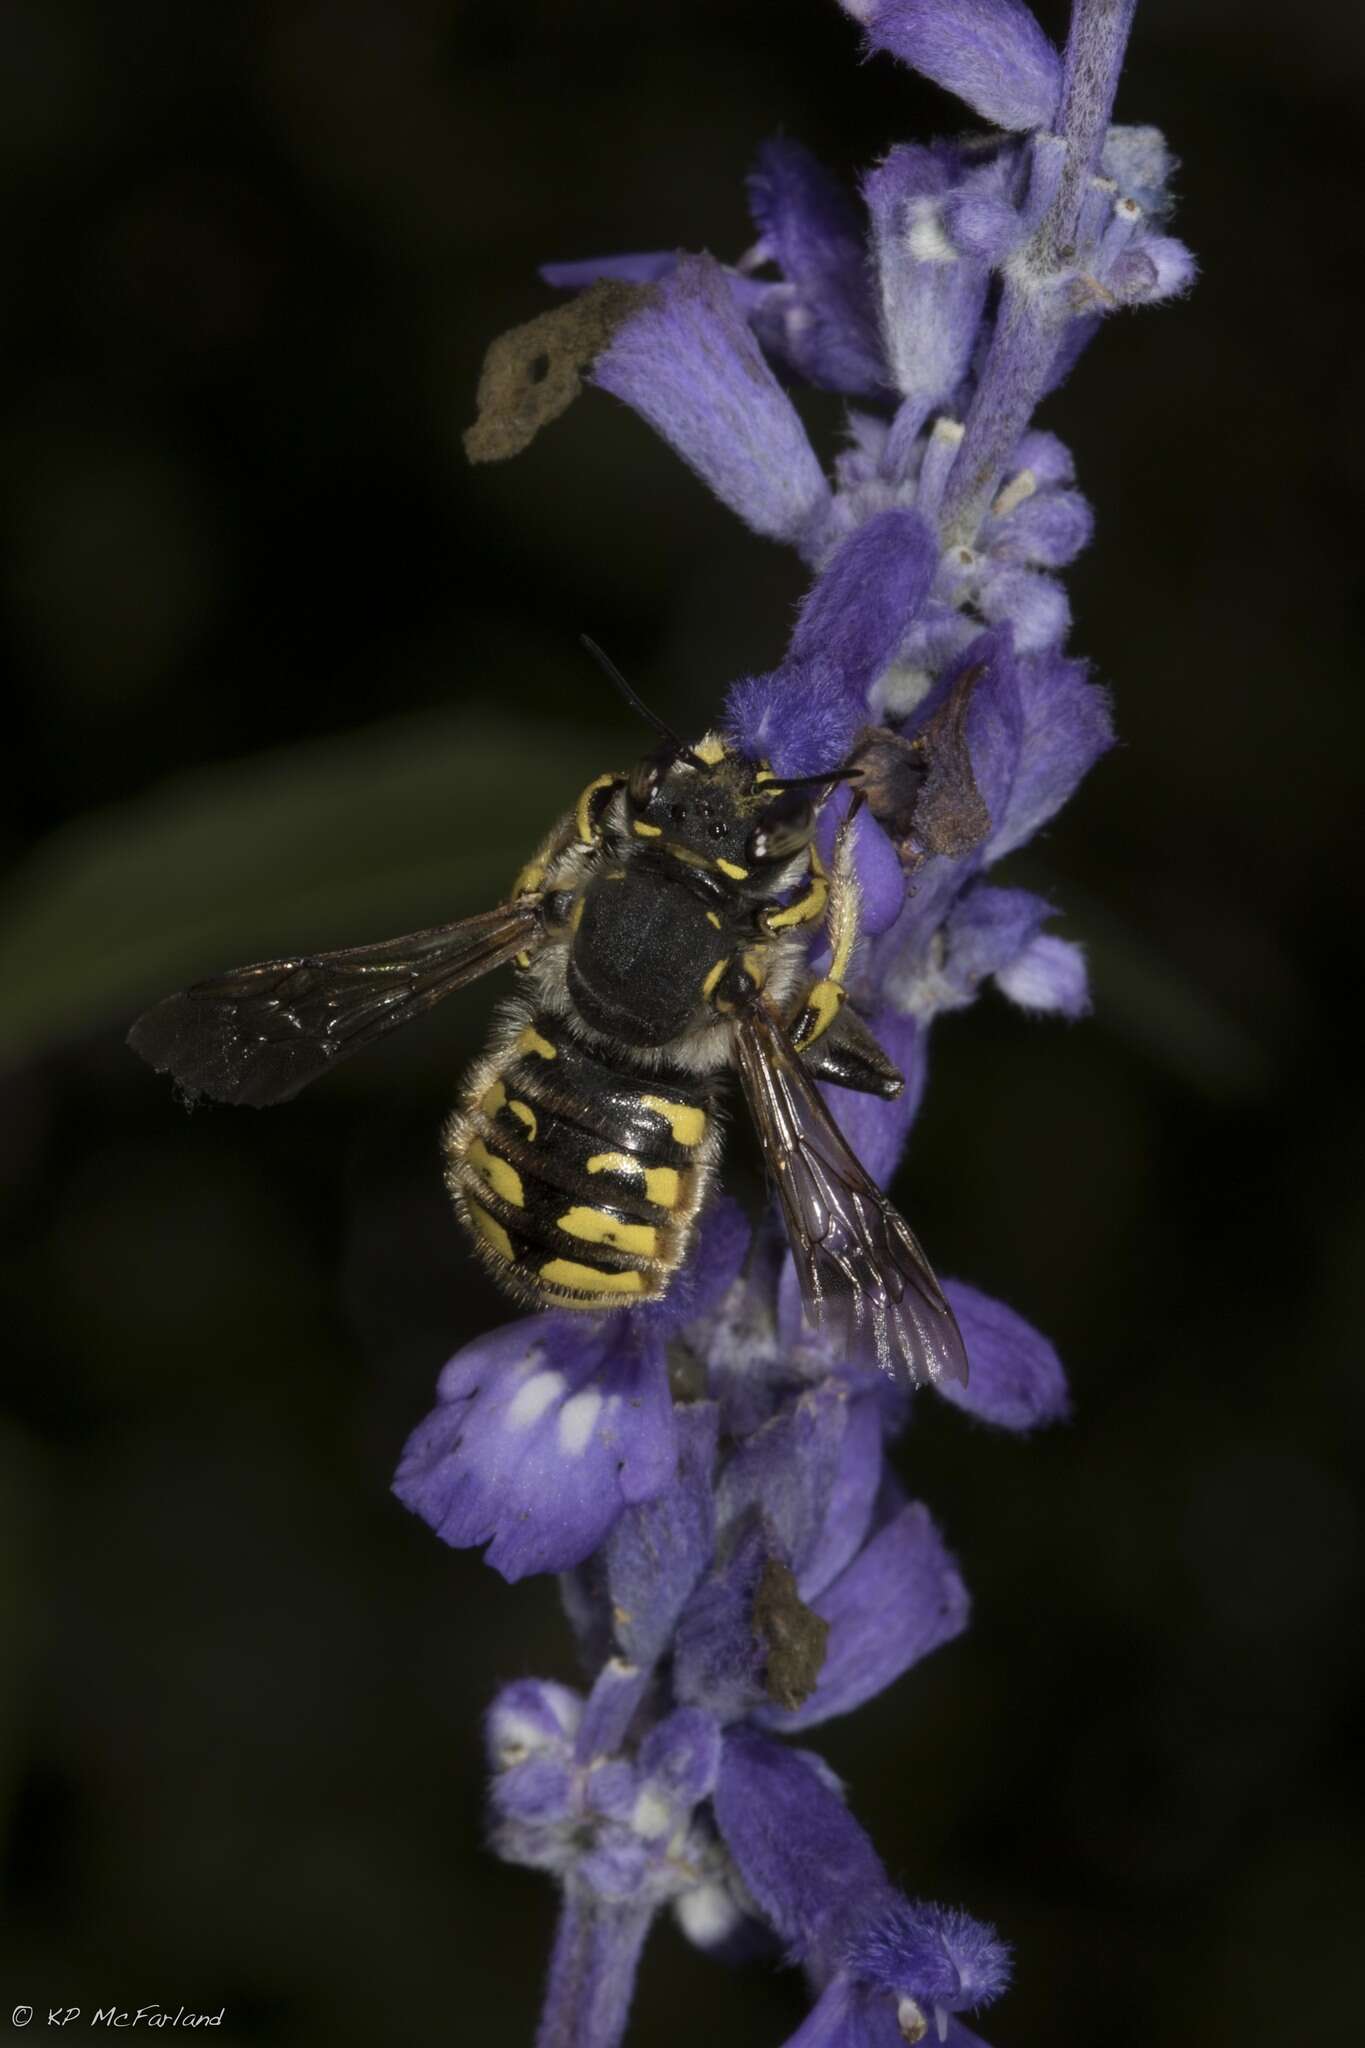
<point x="661" y="936"/>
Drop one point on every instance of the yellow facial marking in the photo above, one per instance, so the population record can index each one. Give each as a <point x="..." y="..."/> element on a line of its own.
<point x="491" y="1231"/>
<point x="576" y="915"/>
<point x="714" y="975"/>
<point x="582" y="816"/>
<point x="531" y="1041"/>
<point x="711" y="749"/>
<point x="500" y="1175"/>
<point x="711" y="918"/>
<point x="524" y="1113"/>
<point x="663" y="1185"/>
<point x="736" y="874"/>
<point x="644" y="831"/>
<point x="764" y="775"/>
<point x="687" y="1123"/>
<point x="595" y="1226"/>
<point x="493" y="1099"/>
<point x="589" y="1280"/>
<point x="755" y="963"/>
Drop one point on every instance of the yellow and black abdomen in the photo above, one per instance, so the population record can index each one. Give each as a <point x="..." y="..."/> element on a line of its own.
<point x="579" y="1180"/>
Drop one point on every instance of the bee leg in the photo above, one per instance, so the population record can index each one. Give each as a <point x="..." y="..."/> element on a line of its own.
<point x="850" y="1056"/>
<point x="582" y="826"/>
<point x="808" y="908"/>
<point x="825" y="999"/>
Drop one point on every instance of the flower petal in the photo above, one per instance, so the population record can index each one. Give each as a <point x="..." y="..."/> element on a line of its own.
<point x="657" y="1552"/>
<point x="1065" y="726"/>
<point x="1015" y="1378"/>
<point x="788" y="1470"/>
<point x="1048" y="975"/>
<point x="900" y="1598"/>
<point x="811" y="1870"/>
<point x="1046" y="527"/>
<point x="823" y="324"/>
<point x="986" y="934"/>
<point x="530" y="1717"/>
<point x="847" y="2016"/>
<point x="902" y="1947"/>
<point x="1034" y="607"/>
<point x="803" y="716"/>
<point x="719" y="1658"/>
<point x="852" y="1498"/>
<point x="991" y="53"/>
<point x="996" y="718"/>
<point x="611" y="1705"/>
<point x="679" y="1761"/>
<point x="687" y="363"/>
<point x="545" y="1431"/>
<point x="931" y="293"/>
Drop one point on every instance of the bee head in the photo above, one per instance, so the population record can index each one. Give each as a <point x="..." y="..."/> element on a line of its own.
<point x="710" y="808"/>
<point x="696" y="804"/>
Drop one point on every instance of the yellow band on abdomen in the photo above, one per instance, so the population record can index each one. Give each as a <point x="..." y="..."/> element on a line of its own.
<point x="591" y="1279"/>
<point x="687" y="1123"/>
<point x="598" y="1226"/>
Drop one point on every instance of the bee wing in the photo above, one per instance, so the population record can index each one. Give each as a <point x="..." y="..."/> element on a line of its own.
<point x="261" y="1033"/>
<point x="859" y="1264"/>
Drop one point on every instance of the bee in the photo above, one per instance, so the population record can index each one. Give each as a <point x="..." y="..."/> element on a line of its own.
<point x="661" y="937"/>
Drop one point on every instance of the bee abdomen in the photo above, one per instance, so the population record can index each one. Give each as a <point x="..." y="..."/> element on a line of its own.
<point x="579" y="1182"/>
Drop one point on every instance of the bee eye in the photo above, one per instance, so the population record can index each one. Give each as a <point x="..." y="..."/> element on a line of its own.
<point x="785" y="829"/>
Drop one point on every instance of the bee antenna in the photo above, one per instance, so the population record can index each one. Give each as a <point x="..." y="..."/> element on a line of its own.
<point x="614" y="675"/>
<point x="825" y="781"/>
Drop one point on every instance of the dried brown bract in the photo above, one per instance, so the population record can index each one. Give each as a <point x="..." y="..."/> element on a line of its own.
<point x="533" y="373"/>
<point x="922" y="791"/>
<point x="796" y="1637"/>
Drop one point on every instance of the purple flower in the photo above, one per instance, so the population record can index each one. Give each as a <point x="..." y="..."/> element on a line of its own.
<point x="787" y="1586"/>
<point x="991" y="53"/>
<point x="709" y="1476"/>
<point x="544" y="1431"/>
<point x="886" y="1965"/>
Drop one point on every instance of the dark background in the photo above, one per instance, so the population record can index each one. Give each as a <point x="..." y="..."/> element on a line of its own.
<point x="286" y="671"/>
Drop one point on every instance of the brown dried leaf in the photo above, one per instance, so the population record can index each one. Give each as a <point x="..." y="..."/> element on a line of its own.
<point x="951" y="815"/>
<point x="533" y="373"/>
<point x="796" y="1638"/>
<point x="922" y="791"/>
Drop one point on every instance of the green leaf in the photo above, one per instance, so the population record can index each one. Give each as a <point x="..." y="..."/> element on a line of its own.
<point x="411" y="822"/>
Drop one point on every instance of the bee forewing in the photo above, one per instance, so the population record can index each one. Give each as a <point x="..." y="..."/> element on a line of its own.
<point x="862" y="1272"/>
<point x="259" y="1034"/>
